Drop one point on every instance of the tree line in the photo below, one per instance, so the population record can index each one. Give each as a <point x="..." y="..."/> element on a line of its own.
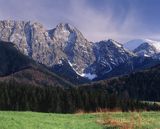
<point x="24" y="97"/>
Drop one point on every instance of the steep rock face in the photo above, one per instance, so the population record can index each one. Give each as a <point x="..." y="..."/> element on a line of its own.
<point x="109" y="54"/>
<point x="30" y="38"/>
<point x="77" y="50"/>
<point x="49" y="47"/>
<point x="14" y="32"/>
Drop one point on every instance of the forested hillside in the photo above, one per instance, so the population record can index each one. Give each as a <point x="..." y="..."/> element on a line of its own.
<point x="15" y="65"/>
<point x="144" y="85"/>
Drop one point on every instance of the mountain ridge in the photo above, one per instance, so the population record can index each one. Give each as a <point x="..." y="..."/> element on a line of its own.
<point x="64" y="46"/>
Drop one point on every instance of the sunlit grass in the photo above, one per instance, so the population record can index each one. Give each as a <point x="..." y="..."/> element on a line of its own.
<point x="30" y="120"/>
<point x="131" y="120"/>
<point x="109" y="120"/>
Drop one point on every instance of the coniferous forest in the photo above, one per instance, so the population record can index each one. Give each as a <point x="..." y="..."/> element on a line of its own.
<point x="24" y="97"/>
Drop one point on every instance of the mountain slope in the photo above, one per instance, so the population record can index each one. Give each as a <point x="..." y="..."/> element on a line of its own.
<point x="145" y="47"/>
<point x="37" y="77"/>
<point x="66" y="71"/>
<point x="11" y="59"/>
<point x="133" y="65"/>
<point x="149" y="48"/>
<point x="143" y="85"/>
<point x="15" y="65"/>
<point x="109" y="54"/>
<point x="112" y="59"/>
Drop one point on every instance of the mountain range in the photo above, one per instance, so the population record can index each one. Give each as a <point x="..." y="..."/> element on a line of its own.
<point x="64" y="51"/>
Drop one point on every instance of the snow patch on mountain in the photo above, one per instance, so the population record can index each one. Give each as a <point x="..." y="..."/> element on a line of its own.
<point x="86" y="75"/>
<point x="73" y="67"/>
<point x="154" y="43"/>
<point x="89" y="76"/>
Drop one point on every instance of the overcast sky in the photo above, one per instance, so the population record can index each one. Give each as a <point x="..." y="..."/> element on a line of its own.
<point x="121" y="20"/>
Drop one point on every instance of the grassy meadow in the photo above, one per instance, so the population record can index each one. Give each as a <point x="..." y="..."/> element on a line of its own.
<point x="109" y="120"/>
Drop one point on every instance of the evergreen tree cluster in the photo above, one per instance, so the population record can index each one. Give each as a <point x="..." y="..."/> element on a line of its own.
<point x="25" y="97"/>
<point x="144" y="85"/>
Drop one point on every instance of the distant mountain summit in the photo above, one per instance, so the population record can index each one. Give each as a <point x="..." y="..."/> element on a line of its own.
<point x="66" y="51"/>
<point x="146" y="47"/>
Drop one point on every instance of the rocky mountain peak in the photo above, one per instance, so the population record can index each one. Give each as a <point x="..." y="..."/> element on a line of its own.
<point x="110" y="43"/>
<point x="144" y="47"/>
<point x="65" y="26"/>
<point x="63" y="33"/>
<point x="49" y="47"/>
<point x="115" y="43"/>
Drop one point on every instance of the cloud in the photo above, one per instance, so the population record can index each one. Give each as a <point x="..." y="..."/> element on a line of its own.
<point x="100" y="20"/>
<point x="97" y="25"/>
<point x="91" y="22"/>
